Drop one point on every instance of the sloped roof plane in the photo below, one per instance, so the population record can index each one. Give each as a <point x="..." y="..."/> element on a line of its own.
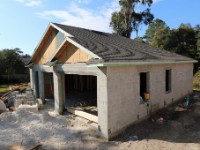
<point x="114" y="49"/>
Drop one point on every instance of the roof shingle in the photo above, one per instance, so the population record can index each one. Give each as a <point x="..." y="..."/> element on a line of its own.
<point x="115" y="48"/>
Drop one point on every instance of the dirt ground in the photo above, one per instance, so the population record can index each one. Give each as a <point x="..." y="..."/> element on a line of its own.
<point x="176" y="128"/>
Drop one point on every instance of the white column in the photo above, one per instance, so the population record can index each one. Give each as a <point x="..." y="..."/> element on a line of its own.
<point x="59" y="91"/>
<point x="31" y="78"/>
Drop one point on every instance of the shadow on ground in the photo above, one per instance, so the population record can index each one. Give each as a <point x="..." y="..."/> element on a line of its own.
<point x="176" y="123"/>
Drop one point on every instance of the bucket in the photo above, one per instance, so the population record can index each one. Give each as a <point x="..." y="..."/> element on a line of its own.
<point x="146" y="96"/>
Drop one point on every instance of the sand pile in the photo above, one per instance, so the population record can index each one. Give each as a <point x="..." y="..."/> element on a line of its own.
<point x="28" y="129"/>
<point x="176" y="129"/>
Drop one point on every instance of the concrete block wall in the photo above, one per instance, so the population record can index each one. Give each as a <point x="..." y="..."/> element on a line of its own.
<point x="123" y="85"/>
<point x="118" y="91"/>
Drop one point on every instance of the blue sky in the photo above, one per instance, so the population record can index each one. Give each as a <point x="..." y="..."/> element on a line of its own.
<point x="23" y="22"/>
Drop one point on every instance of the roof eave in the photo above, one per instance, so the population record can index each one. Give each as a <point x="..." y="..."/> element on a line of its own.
<point x="35" y="50"/>
<point x="112" y="64"/>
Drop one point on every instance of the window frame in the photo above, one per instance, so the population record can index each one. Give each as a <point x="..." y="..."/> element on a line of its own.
<point x="168" y="80"/>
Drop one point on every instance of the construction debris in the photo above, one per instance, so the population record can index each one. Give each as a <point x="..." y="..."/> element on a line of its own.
<point x="6" y="96"/>
<point x="14" y="99"/>
<point x="168" y="129"/>
<point x="2" y="106"/>
<point x="31" y="108"/>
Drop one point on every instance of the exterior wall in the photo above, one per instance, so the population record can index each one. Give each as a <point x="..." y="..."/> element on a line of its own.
<point x="124" y="106"/>
<point x="71" y="54"/>
<point x="118" y="91"/>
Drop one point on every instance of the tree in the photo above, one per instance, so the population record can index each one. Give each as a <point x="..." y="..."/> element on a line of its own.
<point x="161" y="37"/>
<point x="197" y="32"/>
<point x="155" y="26"/>
<point x="11" y="62"/>
<point x="127" y="19"/>
<point x="139" y="39"/>
<point x="182" y="40"/>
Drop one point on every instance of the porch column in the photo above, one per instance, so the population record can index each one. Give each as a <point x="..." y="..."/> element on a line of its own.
<point x="32" y="80"/>
<point x="59" y="91"/>
<point x="41" y="85"/>
<point x="102" y="104"/>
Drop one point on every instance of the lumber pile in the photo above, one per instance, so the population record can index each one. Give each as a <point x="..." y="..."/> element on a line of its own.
<point x="13" y="99"/>
<point x="6" y="96"/>
<point x="2" y="107"/>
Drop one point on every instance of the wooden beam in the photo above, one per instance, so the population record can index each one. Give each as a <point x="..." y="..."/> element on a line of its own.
<point x="83" y="114"/>
<point x="62" y="49"/>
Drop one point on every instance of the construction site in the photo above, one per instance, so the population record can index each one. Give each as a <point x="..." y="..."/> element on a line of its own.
<point x="86" y="91"/>
<point x="26" y="124"/>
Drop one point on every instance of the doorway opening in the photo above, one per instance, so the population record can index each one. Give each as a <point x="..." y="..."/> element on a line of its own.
<point x="48" y="86"/>
<point x="81" y="95"/>
<point x="37" y="84"/>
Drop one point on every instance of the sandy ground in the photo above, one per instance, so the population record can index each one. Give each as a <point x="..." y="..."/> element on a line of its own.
<point x="175" y="128"/>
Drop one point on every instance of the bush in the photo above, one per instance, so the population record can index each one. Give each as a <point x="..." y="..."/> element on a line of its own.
<point x="16" y="78"/>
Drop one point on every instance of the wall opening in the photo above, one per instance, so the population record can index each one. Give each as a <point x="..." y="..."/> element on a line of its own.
<point x="81" y="95"/>
<point x="36" y="84"/>
<point x="144" y="83"/>
<point x="48" y="86"/>
<point x="168" y="80"/>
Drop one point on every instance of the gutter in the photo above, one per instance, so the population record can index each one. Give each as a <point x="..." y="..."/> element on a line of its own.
<point x="29" y="65"/>
<point x="112" y="64"/>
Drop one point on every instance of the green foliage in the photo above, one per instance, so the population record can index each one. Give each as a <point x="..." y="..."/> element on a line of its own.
<point x="196" y="81"/>
<point x="118" y="23"/>
<point x="127" y="19"/>
<point x="139" y="39"/>
<point x="12" y="62"/>
<point x="4" y="88"/>
<point x="197" y="31"/>
<point x="157" y="25"/>
<point x="161" y="37"/>
<point x="182" y="41"/>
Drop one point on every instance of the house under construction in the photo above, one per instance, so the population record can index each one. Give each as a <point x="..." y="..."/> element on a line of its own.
<point x="106" y="78"/>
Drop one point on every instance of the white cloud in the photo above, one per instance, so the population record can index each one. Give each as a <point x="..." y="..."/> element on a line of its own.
<point x="86" y="18"/>
<point x="83" y="1"/>
<point x="156" y="1"/>
<point x="30" y="3"/>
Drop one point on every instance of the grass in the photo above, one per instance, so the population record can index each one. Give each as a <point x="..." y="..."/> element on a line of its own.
<point x="4" y="88"/>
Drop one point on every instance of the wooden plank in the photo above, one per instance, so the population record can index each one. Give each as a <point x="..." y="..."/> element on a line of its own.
<point x="71" y="54"/>
<point x="2" y="111"/>
<point x="47" y="48"/>
<point x="83" y="114"/>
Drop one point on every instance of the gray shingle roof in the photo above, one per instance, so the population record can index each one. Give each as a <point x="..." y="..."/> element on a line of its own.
<point x="115" y="48"/>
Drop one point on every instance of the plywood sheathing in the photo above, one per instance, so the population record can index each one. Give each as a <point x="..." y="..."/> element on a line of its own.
<point x="47" y="48"/>
<point x="72" y="54"/>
